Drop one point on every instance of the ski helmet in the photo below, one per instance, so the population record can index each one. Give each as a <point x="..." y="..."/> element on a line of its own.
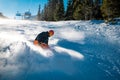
<point x="51" y="32"/>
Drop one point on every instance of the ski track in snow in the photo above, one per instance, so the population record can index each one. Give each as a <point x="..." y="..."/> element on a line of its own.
<point x="74" y="46"/>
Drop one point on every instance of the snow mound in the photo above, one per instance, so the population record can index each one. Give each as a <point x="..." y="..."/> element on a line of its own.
<point x="78" y="50"/>
<point x="17" y="54"/>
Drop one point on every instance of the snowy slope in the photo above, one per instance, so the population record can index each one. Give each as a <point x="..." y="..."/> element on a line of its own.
<point x="80" y="50"/>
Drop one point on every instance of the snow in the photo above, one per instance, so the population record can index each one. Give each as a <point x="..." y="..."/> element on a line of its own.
<point x="79" y="50"/>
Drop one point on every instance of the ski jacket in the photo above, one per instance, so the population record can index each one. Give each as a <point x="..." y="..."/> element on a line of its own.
<point x="43" y="37"/>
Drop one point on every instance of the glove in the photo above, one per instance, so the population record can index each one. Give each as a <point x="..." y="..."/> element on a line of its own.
<point x="35" y="42"/>
<point x="44" y="46"/>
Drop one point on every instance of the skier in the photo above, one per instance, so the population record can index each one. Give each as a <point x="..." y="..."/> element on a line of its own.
<point x="42" y="39"/>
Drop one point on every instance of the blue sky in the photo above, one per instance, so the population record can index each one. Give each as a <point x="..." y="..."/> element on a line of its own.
<point x="10" y="7"/>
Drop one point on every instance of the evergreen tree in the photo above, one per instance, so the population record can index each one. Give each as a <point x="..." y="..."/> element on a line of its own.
<point x="110" y="9"/>
<point x="59" y="12"/>
<point x="42" y="15"/>
<point x="82" y="9"/>
<point x="69" y="11"/>
<point x="49" y="11"/>
<point x="87" y="9"/>
<point x="96" y="10"/>
<point x="45" y="13"/>
<point x="38" y="14"/>
<point x="53" y="10"/>
<point x="51" y="7"/>
<point x="77" y="9"/>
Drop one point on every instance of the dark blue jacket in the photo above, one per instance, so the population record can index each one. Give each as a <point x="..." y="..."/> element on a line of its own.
<point x="43" y="37"/>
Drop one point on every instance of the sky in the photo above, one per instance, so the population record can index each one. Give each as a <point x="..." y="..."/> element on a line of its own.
<point x="10" y="7"/>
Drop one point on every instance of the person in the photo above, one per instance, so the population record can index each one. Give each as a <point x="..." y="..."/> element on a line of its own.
<point x="42" y="39"/>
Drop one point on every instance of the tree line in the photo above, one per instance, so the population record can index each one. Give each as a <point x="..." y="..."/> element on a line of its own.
<point x="55" y="10"/>
<point x="2" y="16"/>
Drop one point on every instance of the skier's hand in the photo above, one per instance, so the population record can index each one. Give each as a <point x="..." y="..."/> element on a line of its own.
<point x="35" y="42"/>
<point x="43" y="45"/>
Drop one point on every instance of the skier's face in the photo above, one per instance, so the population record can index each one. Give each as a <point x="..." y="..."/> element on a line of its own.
<point x="50" y="34"/>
